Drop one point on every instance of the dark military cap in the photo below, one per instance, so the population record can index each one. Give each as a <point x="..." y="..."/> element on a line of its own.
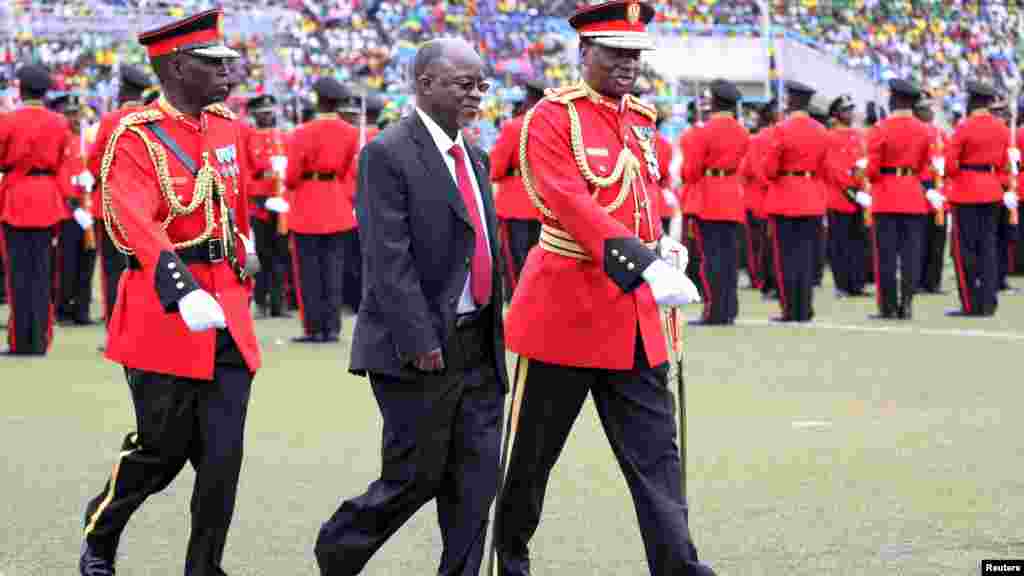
<point x="536" y="87"/>
<point x="924" y="104"/>
<point x="262" y="103"/>
<point x="151" y="94"/>
<point x="327" y="88"/>
<point x="375" y="103"/>
<point x="841" y="104"/>
<point x="201" y="34"/>
<point x="981" y="89"/>
<point x="135" y="77"/>
<point x="615" y="24"/>
<point x="999" y="105"/>
<point x="725" y="91"/>
<point x="904" y="88"/>
<point x="34" y="77"/>
<point x="797" y="87"/>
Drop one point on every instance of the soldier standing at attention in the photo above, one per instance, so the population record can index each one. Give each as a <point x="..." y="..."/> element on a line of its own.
<point x="584" y="319"/>
<point x="182" y="329"/>
<point x="847" y="201"/>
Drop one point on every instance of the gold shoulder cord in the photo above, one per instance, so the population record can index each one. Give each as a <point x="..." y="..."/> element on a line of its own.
<point x="208" y="184"/>
<point x="627" y="167"/>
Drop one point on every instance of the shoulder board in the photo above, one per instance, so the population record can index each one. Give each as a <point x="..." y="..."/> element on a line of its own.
<point x="141" y="117"/>
<point x="222" y="111"/>
<point x="566" y="94"/>
<point x="644" y="109"/>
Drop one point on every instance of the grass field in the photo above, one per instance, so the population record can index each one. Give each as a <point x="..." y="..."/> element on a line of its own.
<point x="846" y="447"/>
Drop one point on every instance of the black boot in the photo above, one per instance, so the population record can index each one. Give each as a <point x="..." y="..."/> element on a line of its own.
<point x="94" y="561"/>
<point x="906" y="308"/>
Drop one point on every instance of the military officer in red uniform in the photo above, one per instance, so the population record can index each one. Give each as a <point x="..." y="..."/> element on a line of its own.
<point x="689" y="198"/>
<point x="519" y="219"/>
<point x="320" y="155"/>
<point x="899" y="157"/>
<point x="977" y="163"/>
<point x="847" y="201"/>
<point x="669" y="209"/>
<point x="715" y="153"/>
<point x="584" y="319"/>
<point x="133" y="83"/>
<point x="265" y="151"/>
<point x="795" y="164"/>
<point x="175" y="207"/>
<point x="33" y="142"/>
<point x="936" y="228"/>
<point x="759" y="252"/>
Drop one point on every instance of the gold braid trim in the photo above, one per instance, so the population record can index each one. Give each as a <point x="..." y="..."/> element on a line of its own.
<point x="221" y="110"/>
<point x="208" y="184"/>
<point x="635" y="104"/>
<point x="627" y="167"/>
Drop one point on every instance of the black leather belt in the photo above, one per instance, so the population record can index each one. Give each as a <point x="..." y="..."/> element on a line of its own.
<point x="40" y="172"/>
<point x="209" y="252"/>
<point x="798" y="173"/>
<point x="320" y="176"/>
<point x="897" y="170"/>
<point x="987" y="168"/>
<point x="718" y="172"/>
<point x="265" y="175"/>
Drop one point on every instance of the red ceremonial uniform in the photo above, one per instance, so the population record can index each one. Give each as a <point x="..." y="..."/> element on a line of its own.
<point x="846" y="146"/>
<point x="715" y="152"/>
<point x="689" y="198"/>
<point x="99" y="145"/>
<point x="320" y="156"/>
<point x="72" y="166"/>
<point x="510" y="201"/>
<point x="33" y="145"/>
<point x="580" y="299"/>
<point x="981" y="140"/>
<point x="142" y="329"/>
<point x="752" y="172"/>
<point x="794" y="162"/>
<point x="668" y="202"/>
<point x="259" y="145"/>
<point x="899" y="143"/>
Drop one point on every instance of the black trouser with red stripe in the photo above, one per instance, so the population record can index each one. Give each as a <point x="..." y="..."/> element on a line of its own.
<point x="898" y="242"/>
<point x="180" y="420"/>
<point x="794" y="240"/>
<point x="820" y="252"/>
<point x="317" y="260"/>
<point x="974" y="253"/>
<point x="112" y="265"/>
<point x="847" y="247"/>
<point x="693" y="249"/>
<point x="1005" y="235"/>
<point x="757" y="243"/>
<point x="272" y="250"/>
<point x="719" y="243"/>
<point x="77" y="265"/>
<point x="934" y="257"/>
<point x="30" y="286"/>
<point x="352" y="270"/>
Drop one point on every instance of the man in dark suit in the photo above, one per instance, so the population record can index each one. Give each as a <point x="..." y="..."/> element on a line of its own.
<point x="429" y="331"/>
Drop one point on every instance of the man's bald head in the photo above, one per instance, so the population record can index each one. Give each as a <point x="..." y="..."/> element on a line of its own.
<point x="442" y="51"/>
<point x="449" y="82"/>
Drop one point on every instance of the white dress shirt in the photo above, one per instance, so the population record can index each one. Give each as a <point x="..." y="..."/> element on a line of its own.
<point x="444" y="143"/>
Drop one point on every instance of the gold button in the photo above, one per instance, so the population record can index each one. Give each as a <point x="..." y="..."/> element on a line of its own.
<point x="630" y="266"/>
<point x="180" y="285"/>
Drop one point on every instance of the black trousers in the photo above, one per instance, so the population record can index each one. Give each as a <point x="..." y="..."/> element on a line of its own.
<point x="522" y="235"/>
<point x="898" y="242"/>
<point x="754" y="232"/>
<point x="352" y="270"/>
<point x="1017" y="253"/>
<point x="637" y="412"/>
<point x="718" y="241"/>
<point x="317" y="261"/>
<point x="272" y="250"/>
<point x="1006" y="233"/>
<point x="847" y="247"/>
<point x="934" y="254"/>
<point x="974" y="254"/>
<point x="441" y="440"/>
<point x="769" y="283"/>
<point x="30" y="277"/>
<point x="76" y="271"/>
<point x="794" y="240"/>
<point x="112" y="265"/>
<point x="180" y="420"/>
<point x="820" y="252"/>
<point x="694" y="249"/>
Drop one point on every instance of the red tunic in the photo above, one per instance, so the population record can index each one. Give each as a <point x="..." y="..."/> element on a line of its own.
<point x="33" y="138"/>
<point x="145" y="330"/>
<point x="663" y="150"/>
<point x="981" y="140"/>
<point x="510" y="199"/>
<point x="259" y="145"/>
<point x="798" y="145"/>
<point x="72" y="166"/>
<point x="752" y="172"/>
<point x="107" y="125"/>
<point x="846" y="146"/>
<point x="586" y="310"/>
<point x="325" y="147"/>
<point x="899" y="141"/>
<point x="719" y="146"/>
<point x="689" y="198"/>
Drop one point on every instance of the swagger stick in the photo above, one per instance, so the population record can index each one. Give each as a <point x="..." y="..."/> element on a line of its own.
<point x="89" y="235"/>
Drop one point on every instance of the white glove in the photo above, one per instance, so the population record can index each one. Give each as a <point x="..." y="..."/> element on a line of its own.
<point x="1010" y="200"/>
<point x="277" y="204"/>
<point x="279" y="164"/>
<point x="675" y="227"/>
<point x="1013" y="154"/>
<point x="862" y="198"/>
<point x="670" y="199"/>
<point x="200" y="311"/>
<point x="252" y="261"/>
<point x="670" y="286"/>
<point x="85" y="180"/>
<point x="672" y="251"/>
<point x="936" y="199"/>
<point x="862" y="163"/>
<point x="83" y="218"/>
<point x="939" y="163"/>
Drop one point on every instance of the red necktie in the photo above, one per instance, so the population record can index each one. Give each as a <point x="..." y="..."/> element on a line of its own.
<point x="480" y="268"/>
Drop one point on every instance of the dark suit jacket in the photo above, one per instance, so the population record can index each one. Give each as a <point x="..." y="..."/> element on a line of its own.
<point x="417" y="243"/>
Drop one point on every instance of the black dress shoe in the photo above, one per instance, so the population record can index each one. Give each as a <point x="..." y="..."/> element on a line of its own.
<point x="882" y="316"/>
<point x="957" y="312"/>
<point x="85" y="322"/>
<point x="331" y="337"/>
<point x="906" y="312"/>
<point x="782" y="319"/>
<point x="308" y="339"/>
<point x="281" y="314"/>
<point x="93" y="563"/>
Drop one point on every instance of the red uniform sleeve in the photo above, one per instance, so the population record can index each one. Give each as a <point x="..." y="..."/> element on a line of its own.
<point x="953" y="152"/>
<point x="505" y="151"/>
<point x="771" y="154"/>
<point x="876" y="141"/>
<point x="296" y="159"/>
<point x="693" y="167"/>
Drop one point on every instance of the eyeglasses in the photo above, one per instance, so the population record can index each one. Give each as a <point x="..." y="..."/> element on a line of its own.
<point x="467" y="84"/>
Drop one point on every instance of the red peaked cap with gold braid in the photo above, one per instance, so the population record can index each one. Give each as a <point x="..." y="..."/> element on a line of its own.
<point x="616" y="24"/>
<point x="201" y="35"/>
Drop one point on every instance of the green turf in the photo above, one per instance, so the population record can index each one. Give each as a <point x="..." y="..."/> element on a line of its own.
<point x="917" y="469"/>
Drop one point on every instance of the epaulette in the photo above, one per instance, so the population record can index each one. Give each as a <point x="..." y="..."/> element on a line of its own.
<point x="141" y="117"/>
<point x="222" y="111"/>
<point x="635" y="104"/>
<point x="566" y="94"/>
